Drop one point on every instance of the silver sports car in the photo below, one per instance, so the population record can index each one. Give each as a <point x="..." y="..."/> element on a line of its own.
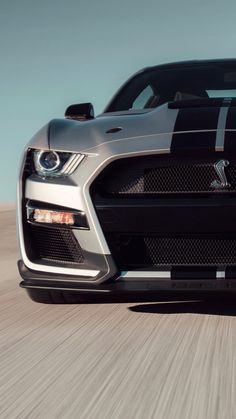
<point x="140" y="198"/>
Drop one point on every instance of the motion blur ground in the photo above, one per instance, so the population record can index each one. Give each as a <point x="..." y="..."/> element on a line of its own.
<point x="162" y="359"/>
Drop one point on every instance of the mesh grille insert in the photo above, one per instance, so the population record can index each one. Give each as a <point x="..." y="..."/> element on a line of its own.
<point x="133" y="251"/>
<point x="152" y="175"/>
<point x="55" y="244"/>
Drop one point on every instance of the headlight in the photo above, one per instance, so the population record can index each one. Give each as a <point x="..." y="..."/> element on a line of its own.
<point x="55" y="163"/>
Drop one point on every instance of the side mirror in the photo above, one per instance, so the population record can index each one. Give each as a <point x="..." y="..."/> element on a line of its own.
<point x="80" y="112"/>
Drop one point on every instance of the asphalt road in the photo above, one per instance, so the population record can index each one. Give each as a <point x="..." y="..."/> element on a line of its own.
<point x="163" y="359"/>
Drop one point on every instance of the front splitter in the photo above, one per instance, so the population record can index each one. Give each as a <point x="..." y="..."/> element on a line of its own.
<point x="120" y="284"/>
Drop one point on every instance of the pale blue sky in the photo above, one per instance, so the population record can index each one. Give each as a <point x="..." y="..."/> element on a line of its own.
<point x="54" y="53"/>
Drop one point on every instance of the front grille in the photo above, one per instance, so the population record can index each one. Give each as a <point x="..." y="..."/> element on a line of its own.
<point x="162" y="175"/>
<point x="132" y="251"/>
<point x="160" y="211"/>
<point x="57" y="245"/>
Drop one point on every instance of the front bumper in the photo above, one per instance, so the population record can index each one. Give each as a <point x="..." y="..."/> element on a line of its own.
<point x="101" y="273"/>
<point x="119" y="283"/>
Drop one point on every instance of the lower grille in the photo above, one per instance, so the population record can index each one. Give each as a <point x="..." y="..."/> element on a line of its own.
<point x="57" y="245"/>
<point x="138" y="251"/>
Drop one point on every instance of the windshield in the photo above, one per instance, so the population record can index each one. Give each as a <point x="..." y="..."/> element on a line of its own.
<point x="155" y="87"/>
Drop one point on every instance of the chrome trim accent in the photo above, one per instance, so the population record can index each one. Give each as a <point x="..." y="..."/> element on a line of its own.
<point x="220" y="274"/>
<point x="55" y="269"/>
<point x="72" y="163"/>
<point x="220" y="135"/>
<point x="146" y="274"/>
<point x="220" y="170"/>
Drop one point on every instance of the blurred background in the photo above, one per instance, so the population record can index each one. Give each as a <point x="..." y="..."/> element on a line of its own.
<point x="55" y="53"/>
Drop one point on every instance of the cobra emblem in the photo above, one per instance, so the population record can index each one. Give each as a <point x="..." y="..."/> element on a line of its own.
<point x="220" y="170"/>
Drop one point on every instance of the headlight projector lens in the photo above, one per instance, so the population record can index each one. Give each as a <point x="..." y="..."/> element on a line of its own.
<point x="48" y="161"/>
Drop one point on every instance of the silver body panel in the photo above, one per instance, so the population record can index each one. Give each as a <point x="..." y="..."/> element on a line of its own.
<point x="142" y="134"/>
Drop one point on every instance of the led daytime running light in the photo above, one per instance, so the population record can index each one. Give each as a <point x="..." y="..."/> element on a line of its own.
<point x="50" y="163"/>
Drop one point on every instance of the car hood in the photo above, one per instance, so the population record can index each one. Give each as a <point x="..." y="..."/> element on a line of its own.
<point x="87" y="136"/>
<point x="157" y="127"/>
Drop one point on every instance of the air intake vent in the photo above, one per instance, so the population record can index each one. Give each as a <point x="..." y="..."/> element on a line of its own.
<point x="57" y="245"/>
<point x="136" y="251"/>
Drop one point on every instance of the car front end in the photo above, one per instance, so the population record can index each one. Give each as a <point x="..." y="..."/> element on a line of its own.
<point x="134" y="200"/>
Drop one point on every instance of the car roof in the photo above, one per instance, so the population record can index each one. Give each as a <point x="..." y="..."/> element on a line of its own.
<point x="190" y="63"/>
<point x="172" y="65"/>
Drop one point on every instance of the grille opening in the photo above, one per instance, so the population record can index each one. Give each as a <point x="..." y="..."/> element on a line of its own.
<point x="158" y="175"/>
<point x="57" y="245"/>
<point x="177" y="181"/>
<point x="134" y="251"/>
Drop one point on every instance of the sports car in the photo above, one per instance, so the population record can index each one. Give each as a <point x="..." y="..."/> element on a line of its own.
<point x="139" y="198"/>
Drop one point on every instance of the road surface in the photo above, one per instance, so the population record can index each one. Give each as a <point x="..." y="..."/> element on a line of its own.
<point x="162" y="359"/>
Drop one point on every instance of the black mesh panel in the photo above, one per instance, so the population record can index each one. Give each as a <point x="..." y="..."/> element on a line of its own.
<point x="135" y="251"/>
<point x="55" y="244"/>
<point x="157" y="175"/>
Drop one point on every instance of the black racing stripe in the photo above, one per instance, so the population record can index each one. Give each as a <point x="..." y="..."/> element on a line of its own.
<point x="230" y="136"/>
<point x="231" y="118"/>
<point x="195" y="119"/>
<point x="193" y="141"/>
<point x="230" y="141"/>
<point x="193" y="273"/>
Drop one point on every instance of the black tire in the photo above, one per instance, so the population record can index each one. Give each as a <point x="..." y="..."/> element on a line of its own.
<point x="55" y="297"/>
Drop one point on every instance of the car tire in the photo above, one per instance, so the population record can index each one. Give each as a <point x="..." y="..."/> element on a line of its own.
<point x="55" y="297"/>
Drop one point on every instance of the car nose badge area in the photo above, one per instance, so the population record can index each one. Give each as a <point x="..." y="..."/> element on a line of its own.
<point x="220" y="170"/>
